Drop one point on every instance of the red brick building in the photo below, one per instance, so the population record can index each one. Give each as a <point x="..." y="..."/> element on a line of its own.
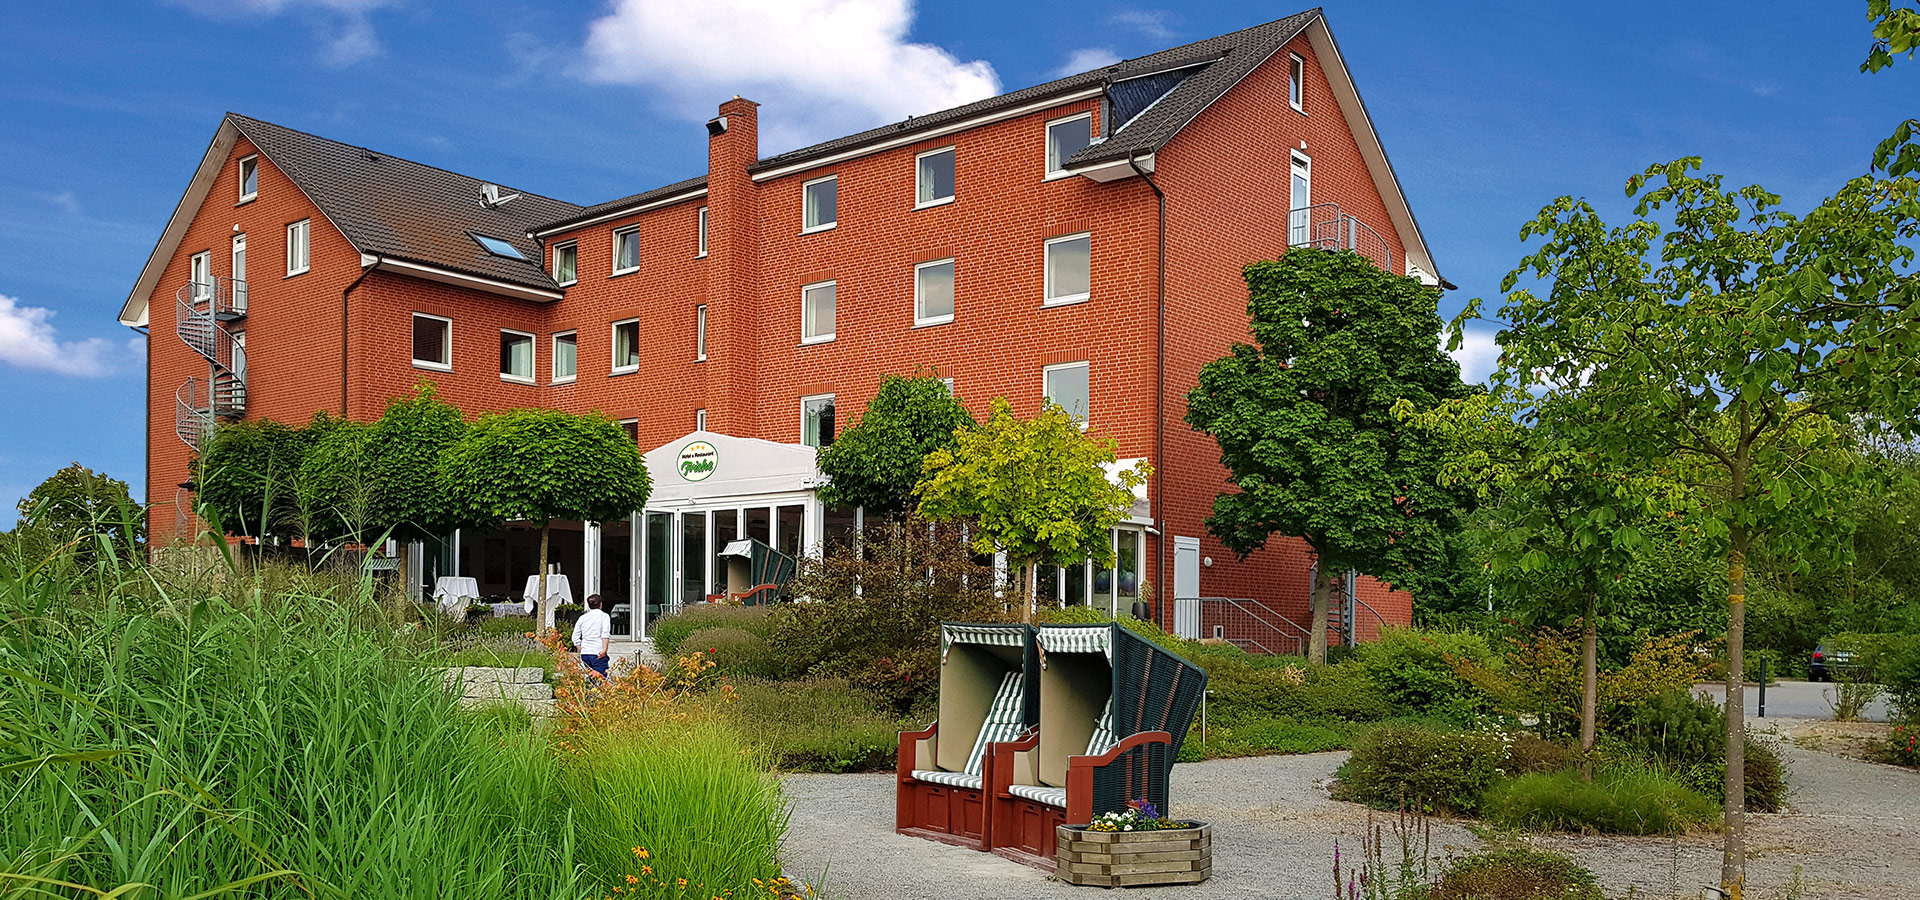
<point x="1080" y="240"/>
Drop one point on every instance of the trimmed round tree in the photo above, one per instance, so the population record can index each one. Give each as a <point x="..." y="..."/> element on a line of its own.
<point x="403" y="457"/>
<point x="876" y="462"/>
<point x="245" y="477"/>
<point x="538" y="465"/>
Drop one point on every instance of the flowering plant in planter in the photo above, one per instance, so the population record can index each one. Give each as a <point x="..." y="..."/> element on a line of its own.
<point x="1140" y="815"/>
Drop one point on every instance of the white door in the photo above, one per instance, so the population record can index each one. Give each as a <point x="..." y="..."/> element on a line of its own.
<point x="239" y="273"/>
<point x="200" y="272"/>
<point x="1186" y="587"/>
<point x="1299" y="228"/>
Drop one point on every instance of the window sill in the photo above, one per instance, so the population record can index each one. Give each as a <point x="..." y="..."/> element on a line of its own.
<point x="944" y="201"/>
<point x="567" y="283"/>
<point x="930" y="323"/>
<point x="810" y="341"/>
<point x="1066" y="301"/>
<point x="247" y="199"/>
<point x="626" y="371"/>
<point x="516" y="379"/>
<point x="299" y="272"/>
<point x="1298" y="109"/>
<point x="700" y="359"/>
<point x="819" y="228"/>
<point x="432" y="366"/>
<point x="567" y="380"/>
<point x="699" y="256"/>
<point x="619" y="272"/>
<point x="1058" y="174"/>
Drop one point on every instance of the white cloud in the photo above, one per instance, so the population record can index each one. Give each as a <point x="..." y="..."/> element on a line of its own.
<point x="345" y="32"/>
<point x="820" y="68"/>
<point x="1153" y="23"/>
<point x="27" y="340"/>
<point x="1086" y="59"/>
<point x="1478" y="355"/>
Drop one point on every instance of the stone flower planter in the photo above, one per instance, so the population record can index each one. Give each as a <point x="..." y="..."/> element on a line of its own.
<point x="1126" y="858"/>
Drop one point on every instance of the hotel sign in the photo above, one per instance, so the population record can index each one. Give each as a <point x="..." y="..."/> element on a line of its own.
<point x="697" y="461"/>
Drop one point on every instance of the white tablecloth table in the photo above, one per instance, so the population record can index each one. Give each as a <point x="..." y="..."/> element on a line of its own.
<point x="453" y="592"/>
<point x="558" y="592"/>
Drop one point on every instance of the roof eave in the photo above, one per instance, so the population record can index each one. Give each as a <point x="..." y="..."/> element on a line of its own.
<point x="433" y="272"/>
<point x="134" y="312"/>
<point x="639" y="206"/>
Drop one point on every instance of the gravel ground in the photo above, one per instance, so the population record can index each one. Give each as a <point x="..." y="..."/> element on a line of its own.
<point x="1853" y="829"/>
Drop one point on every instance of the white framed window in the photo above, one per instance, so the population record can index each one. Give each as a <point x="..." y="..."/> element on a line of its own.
<point x="249" y="177"/>
<point x="816" y="420"/>
<point x="1296" y="82"/>
<point x="566" y="356"/>
<point x="432" y="342"/>
<point x="933" y="292"/>
<point x="298" y="259"/>
<point x="816" y="312"/>
<point x="1299" y="217"/>
<point x="200" y="273"/>
<point x="631" y="428"/>
<point x="933" y="178"/>
<point x="516" y="356"/>
<point x="699" y="420"/>
<point x="700" y="333"/>
<point x="626" y="250"/>
<point x="626" y="346"/>
<point x="820" y="204"/>
<point x="949" y="383"/>
<point x="1065" y="137"/>
<point x="1069" y="267"/>
<point x="1067" y="386"/>
<point x="566" y="263"/>
<point x="703" y="233"/>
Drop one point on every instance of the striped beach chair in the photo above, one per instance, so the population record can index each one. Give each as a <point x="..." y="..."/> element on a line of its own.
<point x="987" y="695"/>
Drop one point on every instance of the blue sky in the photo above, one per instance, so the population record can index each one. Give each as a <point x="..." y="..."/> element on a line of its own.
<point x="1488" y="110"/>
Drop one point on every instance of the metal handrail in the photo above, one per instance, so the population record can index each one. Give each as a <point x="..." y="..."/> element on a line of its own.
<point x="1262" y="615"/>
<point x="200" y="306"/>
<point x="1326" y="227"/>
<point x="192" y="422"/>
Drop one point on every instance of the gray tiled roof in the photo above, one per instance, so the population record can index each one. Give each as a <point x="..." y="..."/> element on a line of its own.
<point x="1232" y="57"/>
<point x="401" y="209"/>
<point x="1219" y="63"/>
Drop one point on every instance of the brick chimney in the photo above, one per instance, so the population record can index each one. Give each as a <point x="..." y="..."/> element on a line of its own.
<point x="733" y="214"/>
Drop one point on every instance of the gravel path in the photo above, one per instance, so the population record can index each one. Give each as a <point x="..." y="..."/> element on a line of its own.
<point x="1854" y="830"/>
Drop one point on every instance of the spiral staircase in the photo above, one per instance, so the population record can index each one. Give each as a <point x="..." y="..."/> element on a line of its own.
<point x="205" y="308"/>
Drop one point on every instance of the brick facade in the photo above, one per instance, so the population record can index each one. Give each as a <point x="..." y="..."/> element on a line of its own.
<point x="1224" y="175"/>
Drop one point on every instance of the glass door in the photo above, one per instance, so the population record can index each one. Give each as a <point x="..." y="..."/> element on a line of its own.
<point x="659" y="568"/>
<point x="239" y="273"/>
<point x="693" y="558"/>
<point x="1299" y="228"/>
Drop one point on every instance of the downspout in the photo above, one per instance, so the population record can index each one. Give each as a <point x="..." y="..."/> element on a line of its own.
<point x="1159" y="389"/>
<point x="364" y="272"/>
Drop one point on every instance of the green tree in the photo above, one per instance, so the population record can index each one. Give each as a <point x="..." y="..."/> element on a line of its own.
<point x="334" y="489"/>
<point x="403" y="457"/>
<point x="1726" y="361"/>
<point x="876" y="462"/>
<point x="1306" y="427"/>
<point x="244" y="478"/>
<point x="539" y="465"/>
<point x="1035" y="489"/>
<point x="86" y="514"/>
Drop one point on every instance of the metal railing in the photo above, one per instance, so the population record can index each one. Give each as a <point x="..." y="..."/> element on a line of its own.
<point x="1325" y="226"/>
<point x="201" y="306"/>
<point x="1250" y="624"/>
<point x="193" y="414"/>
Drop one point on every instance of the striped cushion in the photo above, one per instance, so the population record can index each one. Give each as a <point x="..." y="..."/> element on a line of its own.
<point x="955" y="779"/>
<point x="1052" y="796"/>
<point x="1004" y="720"/>
<point x="1077" y="639"/>
<point x="993" y="635"/>
<point x="1103" y="737"/>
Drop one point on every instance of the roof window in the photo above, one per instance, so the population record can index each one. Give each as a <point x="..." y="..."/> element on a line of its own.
<point x="498" y="247"/>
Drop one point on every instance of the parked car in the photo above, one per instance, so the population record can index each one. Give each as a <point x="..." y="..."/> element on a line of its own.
<point x="1826" y="661"/>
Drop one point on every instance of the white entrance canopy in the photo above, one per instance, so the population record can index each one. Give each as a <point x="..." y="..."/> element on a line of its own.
<point x="705" y="465"/>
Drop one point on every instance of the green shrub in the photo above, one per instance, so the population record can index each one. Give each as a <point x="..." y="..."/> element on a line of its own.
<point x="1626" y="800"/>
<point x="818" y="725"/>
<point x="1528" y="754"/>
<point x="1420" y="767"/>
<point x="1898" y="666"/>
<point x="735" y="653"/>
<point x="516" y="625"/>
<point x="1686" y="736"/>
<point x="670" y="632"/>
<point x="1414" y="668"/>
<point x="1516" y="873"/>
<point x="1902" y="747"/>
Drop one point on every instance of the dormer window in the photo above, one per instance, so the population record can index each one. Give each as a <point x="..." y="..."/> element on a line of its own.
<point x="498" y="247"/>
<point x="249" y="177"/>
<point x="1065" y="137"/>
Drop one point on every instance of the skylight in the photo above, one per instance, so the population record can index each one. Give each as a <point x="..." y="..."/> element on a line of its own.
<point x="499" y="247"/>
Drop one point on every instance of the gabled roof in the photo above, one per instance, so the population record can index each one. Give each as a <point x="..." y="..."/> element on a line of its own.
<point x="385" y="206"/>
<point x="1156" y="96"/>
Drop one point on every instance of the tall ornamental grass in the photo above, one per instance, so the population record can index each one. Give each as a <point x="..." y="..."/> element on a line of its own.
<point x="274" y="735"/>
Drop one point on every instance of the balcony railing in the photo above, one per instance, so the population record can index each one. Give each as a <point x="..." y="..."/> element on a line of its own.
<point x="1325" y="226"/>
